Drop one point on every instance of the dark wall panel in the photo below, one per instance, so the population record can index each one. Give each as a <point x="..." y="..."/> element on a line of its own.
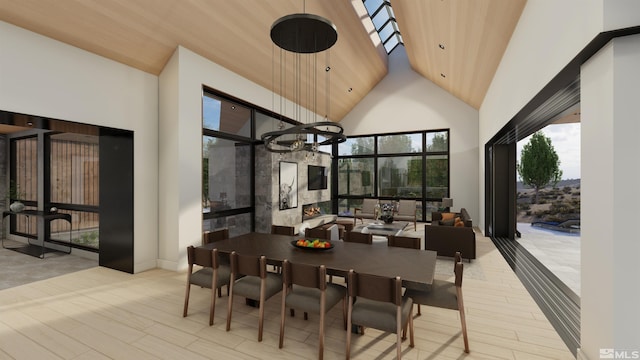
<point x="116" y="199"/>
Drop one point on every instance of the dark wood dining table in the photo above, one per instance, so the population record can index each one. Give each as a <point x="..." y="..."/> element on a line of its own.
<point x="416" y="268"/>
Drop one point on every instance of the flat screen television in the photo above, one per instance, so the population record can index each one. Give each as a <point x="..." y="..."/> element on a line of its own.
<point x="317" y="177"/>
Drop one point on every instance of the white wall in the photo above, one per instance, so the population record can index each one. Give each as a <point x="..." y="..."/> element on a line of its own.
<point x="180" y="136"/>
<point x="406" y="101"/>
<point x="548" y="35"/>
<point x="41" y="76"/>
<point x="610" y="290"/>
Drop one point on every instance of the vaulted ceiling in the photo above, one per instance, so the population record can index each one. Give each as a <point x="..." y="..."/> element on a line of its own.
<point x="457" y="44"/>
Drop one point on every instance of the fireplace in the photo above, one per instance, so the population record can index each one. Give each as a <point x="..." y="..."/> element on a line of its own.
<point x="310" y="211"/>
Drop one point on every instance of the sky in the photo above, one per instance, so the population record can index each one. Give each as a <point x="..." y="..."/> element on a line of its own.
<point x="565" y="139"/>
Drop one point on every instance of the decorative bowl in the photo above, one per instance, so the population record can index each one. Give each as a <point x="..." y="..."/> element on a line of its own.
<point x="293" y="243"/>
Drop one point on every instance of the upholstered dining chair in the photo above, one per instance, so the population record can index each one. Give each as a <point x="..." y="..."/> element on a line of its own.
<point x="283" y="230"/>
<point x="318" y="232"/>
<point x="304" y="287"/>
<point x="256" y="284"/>
<point x="407" y="211"/>
<point x="368" y="210"/>
<point x="377" y="302"/>
<point x="445" y="294"/>
<point x="215" y="235"/>
<point x="358" y="237"/>
<point x="212" y="236"/>
<point x="404" y="241"/>
<point x="211" y="275"/>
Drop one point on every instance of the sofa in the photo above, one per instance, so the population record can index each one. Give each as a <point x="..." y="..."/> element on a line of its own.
<point x="444" y="237"/>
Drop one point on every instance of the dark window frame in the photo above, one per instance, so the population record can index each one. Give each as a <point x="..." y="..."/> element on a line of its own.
<point x="376" y="156"/>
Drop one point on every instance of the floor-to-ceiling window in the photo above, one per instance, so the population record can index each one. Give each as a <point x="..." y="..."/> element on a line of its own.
<point x="58" y="172"/>
<point x="394" y="166"/>
<point x="227" y="165"/>
<point x="75" y="187"/>
<point x="24" y="181"/>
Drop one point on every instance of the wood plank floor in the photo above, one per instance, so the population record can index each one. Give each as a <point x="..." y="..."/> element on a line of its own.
<point x="105" y="314"/>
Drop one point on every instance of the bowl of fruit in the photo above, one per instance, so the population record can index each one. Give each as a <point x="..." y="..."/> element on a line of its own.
<point x="312" y="244"/>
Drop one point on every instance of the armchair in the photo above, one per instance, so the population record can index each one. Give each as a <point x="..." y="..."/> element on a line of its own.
<point x="407" y="212"/>
<point x="367" y="211"/>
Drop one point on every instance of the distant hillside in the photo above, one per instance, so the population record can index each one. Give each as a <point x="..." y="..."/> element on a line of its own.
<point x="575" y="183"/>
<point x="554" y="204"/>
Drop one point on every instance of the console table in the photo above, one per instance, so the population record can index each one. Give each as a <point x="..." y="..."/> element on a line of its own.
<point x="38" y="249"/>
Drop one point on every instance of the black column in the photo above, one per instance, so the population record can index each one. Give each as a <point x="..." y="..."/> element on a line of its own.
<point x="116" y="199"/>
<point x="504" y="190"/>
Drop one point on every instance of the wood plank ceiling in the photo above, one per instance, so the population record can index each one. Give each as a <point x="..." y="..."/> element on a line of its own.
<point x="235" y="34"/>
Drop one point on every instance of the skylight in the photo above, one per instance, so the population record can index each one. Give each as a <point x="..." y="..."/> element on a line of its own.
<point x="381" y="15"/>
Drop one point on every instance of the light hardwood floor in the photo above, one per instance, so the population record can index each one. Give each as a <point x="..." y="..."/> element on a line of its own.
<point x="101" y="313"/>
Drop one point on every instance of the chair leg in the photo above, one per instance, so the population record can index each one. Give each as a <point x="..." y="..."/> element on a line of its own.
<point x="230" y="303"/>
<point x="399" y="344"/>
<point x="349" y="310"/>
<point x="463" y="322"/>
<point x="282" y="316"/>
<point x="263" y="285"/>
<point x="344" y="313"/>
<point x="220" y="291"/>
<point x="321" y="335"/>
<point x="411" y="340"/>
<point x="212" y="308"/>
<point x="186" y="300"/>
<point x="260" y="320"/>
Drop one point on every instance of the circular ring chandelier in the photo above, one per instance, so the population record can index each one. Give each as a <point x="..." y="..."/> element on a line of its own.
<point x="294" y="138"/>
<point x="304" y="34"/>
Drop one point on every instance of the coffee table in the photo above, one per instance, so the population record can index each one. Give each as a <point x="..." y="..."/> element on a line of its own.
<point x="381" y="228"/>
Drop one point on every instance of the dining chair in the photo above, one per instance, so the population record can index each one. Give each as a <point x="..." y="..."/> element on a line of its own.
<point x="368" y="210"/>
<point x="318" y="232"/>
<point x="358" y="237"/>
<point x="304" y="287"/>
<point x="212" y="236"/>
<point x="445" y="294"/>
<point x="255" y="284"/>
<point x="215" y="235"/>
<point x="377" y="302"/>
<point x="283" y="230"/>
<point x="407" y="211"/>
<point x="404" y="241"/>
<point x="211" y="275"/>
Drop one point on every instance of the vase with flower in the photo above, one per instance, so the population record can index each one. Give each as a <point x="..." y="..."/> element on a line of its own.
<point x="15" y="194"/>
<point x="386" y="213"/>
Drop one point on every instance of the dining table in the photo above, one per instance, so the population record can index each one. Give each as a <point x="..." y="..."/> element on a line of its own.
<point x="416" y="268"/>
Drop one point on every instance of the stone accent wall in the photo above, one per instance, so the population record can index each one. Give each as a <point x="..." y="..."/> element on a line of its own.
<point x="267" y="175"/>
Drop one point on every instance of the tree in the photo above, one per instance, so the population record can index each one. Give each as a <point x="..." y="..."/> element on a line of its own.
<point x="539" y="164"/>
